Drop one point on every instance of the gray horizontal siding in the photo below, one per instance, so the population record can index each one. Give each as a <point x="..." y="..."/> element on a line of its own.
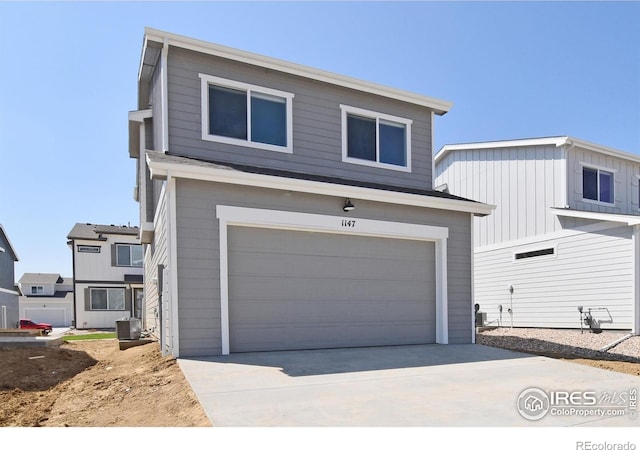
<point x="316" y="122"/>
<point x="592" y="270"/>
<point x="198" y="252"/>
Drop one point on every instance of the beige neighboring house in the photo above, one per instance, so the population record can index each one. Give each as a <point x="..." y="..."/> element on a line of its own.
<point x="46" y="297"/>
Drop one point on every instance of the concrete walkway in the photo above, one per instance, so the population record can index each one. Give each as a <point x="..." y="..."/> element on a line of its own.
<point x="420" y="385"/>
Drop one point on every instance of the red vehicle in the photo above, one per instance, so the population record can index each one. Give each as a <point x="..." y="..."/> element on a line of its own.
<point x="26" y="324"/>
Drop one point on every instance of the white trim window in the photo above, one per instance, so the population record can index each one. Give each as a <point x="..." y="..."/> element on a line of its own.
<point x="375" y="139"/>
<point x="598" y="185"/>
<point x="244" y="114"/>
<point x="107" y="299"/>
<point x="129" y="255"/>
<point x="37" y="290"/>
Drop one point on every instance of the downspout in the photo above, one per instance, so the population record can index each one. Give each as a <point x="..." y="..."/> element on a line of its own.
<point x="635" y="330"/>
<point x="165" y="95"/>
<point x="73" y="269"/>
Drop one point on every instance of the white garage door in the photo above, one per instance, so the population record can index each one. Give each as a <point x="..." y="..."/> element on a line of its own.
<point x="304" y="290"/>
<point x="53" y="316"/>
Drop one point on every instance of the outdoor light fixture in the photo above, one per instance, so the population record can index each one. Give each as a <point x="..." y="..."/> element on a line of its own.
<point x="348" y="206"/>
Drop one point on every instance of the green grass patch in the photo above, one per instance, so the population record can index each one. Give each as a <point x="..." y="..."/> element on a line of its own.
<point x="84" y="337"/>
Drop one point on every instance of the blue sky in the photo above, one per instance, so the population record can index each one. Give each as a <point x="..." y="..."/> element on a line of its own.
<point x="512" y="70"/>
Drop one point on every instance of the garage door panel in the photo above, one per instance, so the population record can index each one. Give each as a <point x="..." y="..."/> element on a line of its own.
<point x="299" y="290"/>
<point x="342" y="267"/>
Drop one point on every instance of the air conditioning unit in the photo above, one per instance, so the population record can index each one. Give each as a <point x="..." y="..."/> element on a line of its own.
<point x="481" y="318"/>
<point x="128" y="328"/>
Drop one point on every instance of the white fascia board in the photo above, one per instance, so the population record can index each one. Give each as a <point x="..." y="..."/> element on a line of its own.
<point x="602" y="217"/>
<point x="222" y="175"/>
<point x="140" y="115"/>
<point x="603" y="150"/>
<point x="556" y="141"/>
<point x="439" y="106"/>
<point x="566" y="141"/>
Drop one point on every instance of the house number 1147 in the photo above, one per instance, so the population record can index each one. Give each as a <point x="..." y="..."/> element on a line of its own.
<point x="348" y="223"/>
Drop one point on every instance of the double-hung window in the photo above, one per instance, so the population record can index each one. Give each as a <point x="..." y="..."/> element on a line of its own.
<point x="597" y="185"/>
<point x="110" y="299"/>
<point x="37" y="290"/>
<point x="129" y="255"/>
<point x="375" y="139"/>
<point x="244" y="114"/>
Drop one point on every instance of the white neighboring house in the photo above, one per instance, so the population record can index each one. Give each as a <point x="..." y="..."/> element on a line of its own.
<point x="46" y="297"/>
<point x="565" y="233"/>
<point x="107" y="274"/>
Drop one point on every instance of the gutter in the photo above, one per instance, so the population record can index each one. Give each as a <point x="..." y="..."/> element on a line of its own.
<point x="162" y="170"/>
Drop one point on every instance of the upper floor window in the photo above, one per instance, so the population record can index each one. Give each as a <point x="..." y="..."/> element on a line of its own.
<point x="375" y="139"/>
<point x="244" y="114"/>
<point x="597" y="185"/>
<point x="129" y="255"/>
<point x="37" y="290"/>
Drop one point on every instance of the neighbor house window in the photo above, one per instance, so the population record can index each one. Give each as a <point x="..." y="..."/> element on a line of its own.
<point x="111" y="299"/>
<point x="37" y="290"/>
<point x="244" y="114"/>
<point x="129" y="255"/>
<point x="597" y="185"/>
<point x="375" y="139"/>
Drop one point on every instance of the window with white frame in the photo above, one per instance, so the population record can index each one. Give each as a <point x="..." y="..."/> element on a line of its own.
<point x="597" y="185"/>
<point x="245" y="114"/>
<point x="129" y="255"/>
<point x="375" y="139"/>
<point x="107" y="299"/>
<point x="37" y="290"/>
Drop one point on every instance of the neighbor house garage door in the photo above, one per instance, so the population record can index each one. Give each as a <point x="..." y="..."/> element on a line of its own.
<point x="54" y="316"/>
<point x="303" y="290"/>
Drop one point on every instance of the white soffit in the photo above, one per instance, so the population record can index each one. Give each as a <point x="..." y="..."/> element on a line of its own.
<point x="602" y="217"/>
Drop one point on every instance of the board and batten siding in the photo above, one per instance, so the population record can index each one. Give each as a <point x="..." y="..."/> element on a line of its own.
<point x="199" y="265"/>
<point x="523" y="183"/>
<point x="592" y="269"/>
<point x="317" y="142"/>
<point x="626" y="175"/>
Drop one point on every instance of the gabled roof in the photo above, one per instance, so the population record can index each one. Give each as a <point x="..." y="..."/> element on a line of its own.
<point x="155" y="39"/>
<point x="558" y="141"/>
<point x="10" y="247"/>
<point x="161" y="165"/>
<point x="95" y="232"/>
<point x="41" y="278"/>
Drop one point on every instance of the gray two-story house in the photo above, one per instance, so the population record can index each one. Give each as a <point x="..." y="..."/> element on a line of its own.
<point x="285" y="207"/>
<point x="8" y="292"/>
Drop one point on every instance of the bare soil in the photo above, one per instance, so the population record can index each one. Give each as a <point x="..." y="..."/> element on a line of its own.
<point x="95" y="384"/>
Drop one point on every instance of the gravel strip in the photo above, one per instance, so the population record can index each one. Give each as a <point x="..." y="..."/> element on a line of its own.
<point x="565" y="343"/>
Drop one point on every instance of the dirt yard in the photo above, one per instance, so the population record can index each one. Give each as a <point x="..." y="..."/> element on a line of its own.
<point x="94" y="384"/>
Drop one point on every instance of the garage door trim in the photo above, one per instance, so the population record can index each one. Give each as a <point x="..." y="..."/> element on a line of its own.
<point x="286" y="220"/>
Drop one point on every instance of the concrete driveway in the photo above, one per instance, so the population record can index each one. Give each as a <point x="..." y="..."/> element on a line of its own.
<point x="418" y="385"/>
